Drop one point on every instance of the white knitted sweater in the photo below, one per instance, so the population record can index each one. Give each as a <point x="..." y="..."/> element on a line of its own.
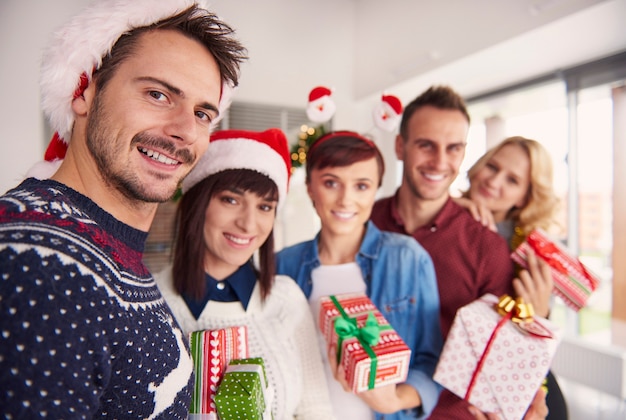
<point x="281" y="330"/>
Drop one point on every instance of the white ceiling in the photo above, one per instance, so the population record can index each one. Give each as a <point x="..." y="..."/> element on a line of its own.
<point x="414" y="38"/>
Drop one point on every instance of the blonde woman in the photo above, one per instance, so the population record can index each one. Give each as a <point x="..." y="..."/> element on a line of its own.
<point x="511" y="190"/>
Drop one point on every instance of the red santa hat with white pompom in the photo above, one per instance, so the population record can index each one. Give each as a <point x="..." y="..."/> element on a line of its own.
<point x="388" y="113"/>
<point x="266" y="152"/>
<point x="76" y="51"/>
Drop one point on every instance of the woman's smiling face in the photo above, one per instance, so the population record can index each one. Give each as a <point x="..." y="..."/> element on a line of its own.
<point x="344" y="196"/>
<point x="236" y="224"/>
<point x="503" y="182"/>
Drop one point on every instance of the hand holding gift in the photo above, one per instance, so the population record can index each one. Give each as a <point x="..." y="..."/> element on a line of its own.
<point x="364" y="345"/>
<point x="244" y="392"/>
<point x="497" y="355"/>
<point x="573" y="282"/>
<point x="211" y="351"/>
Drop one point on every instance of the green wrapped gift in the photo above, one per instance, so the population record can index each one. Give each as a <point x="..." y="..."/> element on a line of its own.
<point x="242" y="393"/>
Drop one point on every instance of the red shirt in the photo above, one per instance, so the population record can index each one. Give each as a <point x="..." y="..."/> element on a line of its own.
<point x="470" y="260"/>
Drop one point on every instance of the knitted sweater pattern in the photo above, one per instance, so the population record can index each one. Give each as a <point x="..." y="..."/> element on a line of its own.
<point x="281" y="330"/>
<point x="84" y="331"/>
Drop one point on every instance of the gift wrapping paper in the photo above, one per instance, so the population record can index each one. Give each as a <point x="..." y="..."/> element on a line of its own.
<point x="211" y="351"/>
<point x="391" y="356"/>
<point x="493" y="362"/>
<point x="573" y="282"/>
<point x="244" y="392"/>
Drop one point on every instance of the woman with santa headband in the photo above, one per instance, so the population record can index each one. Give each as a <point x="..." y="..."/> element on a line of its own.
<point x="225" y="216"/>
<point x="343" y="173"/>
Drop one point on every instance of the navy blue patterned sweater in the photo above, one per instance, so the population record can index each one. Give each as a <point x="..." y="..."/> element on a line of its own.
<point x="84" y="331"/>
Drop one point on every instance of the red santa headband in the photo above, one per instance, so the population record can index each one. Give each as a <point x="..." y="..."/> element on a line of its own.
<point x="266" y="152"/>
<point x="386" y="113"/>
<point x="76" y="50"/>
<point x="321" y="106"/>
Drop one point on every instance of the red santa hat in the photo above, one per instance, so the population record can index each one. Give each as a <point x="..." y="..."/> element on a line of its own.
<point x="76" y="51"/>
<point x="266" y="152"/>
<point x="388" y="112"/>
<point x="320" y="107"/>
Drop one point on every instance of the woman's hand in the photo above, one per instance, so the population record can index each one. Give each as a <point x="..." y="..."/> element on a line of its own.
<point x="383" y="399"/>
<point x="478" y="211"/>
<point x="535" y="284"/>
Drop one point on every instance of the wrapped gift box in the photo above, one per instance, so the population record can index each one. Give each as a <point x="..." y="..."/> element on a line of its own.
<point x="493" y="359"/>
<point x="573" y="282"/>
<point x="244" y="393"/>
<point x="366" y="365"/>
<point x="211" y="351"/>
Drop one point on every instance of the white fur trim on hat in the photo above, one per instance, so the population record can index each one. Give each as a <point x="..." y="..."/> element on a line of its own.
<point x="242" y="153"/>
<point x="80" y="45"/>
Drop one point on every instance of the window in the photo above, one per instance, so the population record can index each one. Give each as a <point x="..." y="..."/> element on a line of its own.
<point x="571" y="114"/>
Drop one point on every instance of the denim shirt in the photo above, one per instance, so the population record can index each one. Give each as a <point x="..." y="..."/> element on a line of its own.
<point x="400" y="279"/>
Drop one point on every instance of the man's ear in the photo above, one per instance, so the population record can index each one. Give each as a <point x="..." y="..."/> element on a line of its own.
<point x="82" y="103"/>
<point x="399" y="147"/>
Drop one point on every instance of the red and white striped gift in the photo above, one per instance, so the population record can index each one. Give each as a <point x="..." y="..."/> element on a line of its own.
<point x="573" y="282"/>
<point x="211" y="351"/>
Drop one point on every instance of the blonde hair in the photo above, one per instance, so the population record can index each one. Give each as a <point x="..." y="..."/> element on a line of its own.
<point x="541" y="200"/>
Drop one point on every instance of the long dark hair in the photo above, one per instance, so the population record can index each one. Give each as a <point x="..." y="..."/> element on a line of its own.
<point x="188" y="254"/>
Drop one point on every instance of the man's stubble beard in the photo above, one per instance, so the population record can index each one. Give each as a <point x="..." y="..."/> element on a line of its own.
<point x="101" y="145"/>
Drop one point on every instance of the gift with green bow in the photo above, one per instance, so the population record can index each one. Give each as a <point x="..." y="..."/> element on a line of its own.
<point x="369" y="350"/>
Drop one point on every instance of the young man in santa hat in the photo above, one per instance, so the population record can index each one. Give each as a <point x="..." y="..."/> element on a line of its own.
<point x="132" y="89"/>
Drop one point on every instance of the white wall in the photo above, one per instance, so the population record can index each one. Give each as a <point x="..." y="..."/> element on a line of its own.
<point x="294" y="45"/>
<point x="24" y="28"/>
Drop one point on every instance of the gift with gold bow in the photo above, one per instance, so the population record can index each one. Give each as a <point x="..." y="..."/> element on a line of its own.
<point x="497" y="354"/>
<point x="369" y="350"/>
<point x="573" y="281"/>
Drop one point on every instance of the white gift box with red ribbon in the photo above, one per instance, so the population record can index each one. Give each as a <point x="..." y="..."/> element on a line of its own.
<point x="494" y="359"/>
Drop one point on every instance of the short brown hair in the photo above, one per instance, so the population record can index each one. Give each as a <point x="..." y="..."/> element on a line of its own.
<point x="343" y="148"/>
<point x="441" y="97"/>
<point x="196" y="23"/>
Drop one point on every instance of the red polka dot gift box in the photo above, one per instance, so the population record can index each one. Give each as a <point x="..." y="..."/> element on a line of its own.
<point x="497" y="354"/>
<point x="369" y="350"/>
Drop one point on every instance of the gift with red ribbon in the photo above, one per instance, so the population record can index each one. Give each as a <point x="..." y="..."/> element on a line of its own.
<point x="211" y="351"/>
<point x="573" y="281"/>
<point x="497" y="354"/>
<point x="369" y="350"/>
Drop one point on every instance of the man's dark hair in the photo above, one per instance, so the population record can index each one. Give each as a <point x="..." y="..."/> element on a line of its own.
<point x="195" y="23"/>
<point x="441" y="97"/>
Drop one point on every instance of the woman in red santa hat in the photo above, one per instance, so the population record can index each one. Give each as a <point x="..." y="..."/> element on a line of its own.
<point x="225" y="216"/>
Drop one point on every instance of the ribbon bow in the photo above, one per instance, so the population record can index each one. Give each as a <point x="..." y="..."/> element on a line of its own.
<point x="547" y="250"/>
<point x="518" y="310"/>
<point x="522" y="314"/>
<point x="369" y="333"/>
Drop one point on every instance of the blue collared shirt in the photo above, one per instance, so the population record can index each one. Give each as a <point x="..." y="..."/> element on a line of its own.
<point x="237" y="287"/>
<point x="401" y="282"/>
